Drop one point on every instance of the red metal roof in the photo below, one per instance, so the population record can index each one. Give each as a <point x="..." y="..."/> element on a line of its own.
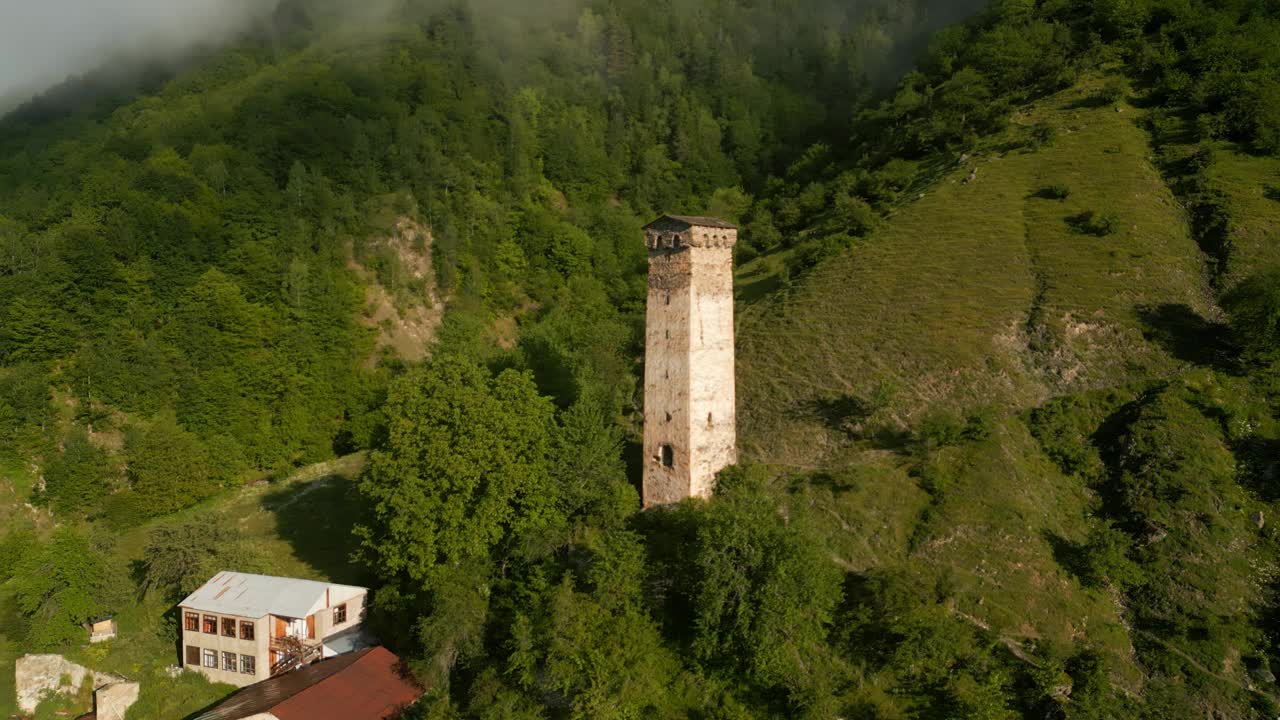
<point x="363" y="685"/>
<point x="371" y="688"/>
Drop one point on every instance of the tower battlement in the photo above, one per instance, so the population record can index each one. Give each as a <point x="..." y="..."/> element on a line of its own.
<point x="690" y="424"/>
<point x="677" y="232"/>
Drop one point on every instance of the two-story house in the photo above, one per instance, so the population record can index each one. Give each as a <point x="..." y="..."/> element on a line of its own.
<point x="240" y="628"/>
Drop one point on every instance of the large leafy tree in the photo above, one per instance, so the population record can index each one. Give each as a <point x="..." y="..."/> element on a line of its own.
<point x="169" y="468"/>
<point x="63" y="583"/>
<point x="76" y="477"/>
<point x="465" y="469"/>
<point x="180" y="557"/>
<point x="764" y="591"/>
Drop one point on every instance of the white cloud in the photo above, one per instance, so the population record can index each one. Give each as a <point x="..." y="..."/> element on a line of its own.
<point x="43" y="42"/>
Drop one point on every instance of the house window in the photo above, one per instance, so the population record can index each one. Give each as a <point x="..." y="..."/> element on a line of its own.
<point x="248" y="664"/>
<point x="228" y="627"/>
<point x="246" y="630"/>
<point x="191" y="621"/>
<point x="211" y="659"/>
<point x="229" y="661"/>
<point x="667" y="455"/>
<point x="210" y="625"/>
<point x="340" y="614"/>
<point x="193" y="656"/>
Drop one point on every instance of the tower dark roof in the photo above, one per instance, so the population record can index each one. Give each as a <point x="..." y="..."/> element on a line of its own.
<point x="694" y="221"/>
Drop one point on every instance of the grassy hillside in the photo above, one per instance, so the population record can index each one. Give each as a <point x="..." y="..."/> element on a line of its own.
<point x="989" y="306"/>
<point x="978" y="295"/>
<point x="983" y="292"/>
<point x="1252" y="185"/>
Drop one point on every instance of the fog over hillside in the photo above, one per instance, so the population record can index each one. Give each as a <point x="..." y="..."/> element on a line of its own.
<point x="43" y="43"/>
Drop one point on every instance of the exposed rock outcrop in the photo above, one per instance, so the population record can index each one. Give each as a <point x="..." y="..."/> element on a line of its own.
<point x="38" y="676"/>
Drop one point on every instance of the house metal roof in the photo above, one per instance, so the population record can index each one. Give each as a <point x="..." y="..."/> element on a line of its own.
<point x="695" y="221"/>
<point x="364" y="685"/>
<point x="253" y="596"/>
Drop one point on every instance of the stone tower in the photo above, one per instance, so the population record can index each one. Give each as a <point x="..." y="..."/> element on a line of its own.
<point x="690" y="425"/>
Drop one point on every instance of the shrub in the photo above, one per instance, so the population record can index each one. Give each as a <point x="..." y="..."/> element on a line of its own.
<point x="1043" y="134"/>
<point x="1056" y="191"/>
<point x="1114" y="90"/>
<point x="855" y="216"/>
<point x="1105" y="558"/>
<point x="940" y="429"/>
<point x="813" y="252"/>
<point x="943" y="429"/>
<point x="1253" y="308"/>
<point x="1099" y="224"/>
<point x="980" y="424"/>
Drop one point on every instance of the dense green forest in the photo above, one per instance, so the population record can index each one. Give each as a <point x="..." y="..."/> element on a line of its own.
<point x="187" y="262"/>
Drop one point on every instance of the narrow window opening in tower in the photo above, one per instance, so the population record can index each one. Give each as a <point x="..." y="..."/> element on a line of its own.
<point x="709" y="420"/>
<point x="668" y="455"/>
<point x="668" y="298"/>
<point x="668" y="417"/>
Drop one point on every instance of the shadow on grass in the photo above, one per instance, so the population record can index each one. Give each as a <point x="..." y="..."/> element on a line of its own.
<point x="1256" y="458"/>
<point x="1089" y="102"/>
<point x="837" y="484"/>
<point x="1187" y="336"/>
<point x="841" y="413"/>
<point x="316" y="519"/>
<point x="759" y="286"/>
<point x="1069" y="555"/>
<point x="851" y="416"/>
<point x="1051" y="192"/>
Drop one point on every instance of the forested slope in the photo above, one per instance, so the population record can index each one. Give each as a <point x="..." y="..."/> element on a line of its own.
<point x="1006" y="353"/>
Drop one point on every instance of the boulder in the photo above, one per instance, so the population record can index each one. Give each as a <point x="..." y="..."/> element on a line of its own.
<point x="37" y="676"/>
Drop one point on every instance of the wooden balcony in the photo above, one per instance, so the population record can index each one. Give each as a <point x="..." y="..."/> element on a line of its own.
<point x="292" y="653"/>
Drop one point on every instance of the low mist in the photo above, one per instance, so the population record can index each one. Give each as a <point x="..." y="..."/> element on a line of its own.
<point x="44" y="42"/>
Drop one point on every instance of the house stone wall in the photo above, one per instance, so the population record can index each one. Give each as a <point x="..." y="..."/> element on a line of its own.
<point x="355" y="613"/>
<point x="258" y="648"/>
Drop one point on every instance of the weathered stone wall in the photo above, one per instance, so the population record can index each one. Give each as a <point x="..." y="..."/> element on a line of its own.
<point x="689" y="361"/>
<point x="36" y="676"/>
<point x="111" y="702"/>
<point x="666" y="377"/>
<point x="712" y="411"/>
